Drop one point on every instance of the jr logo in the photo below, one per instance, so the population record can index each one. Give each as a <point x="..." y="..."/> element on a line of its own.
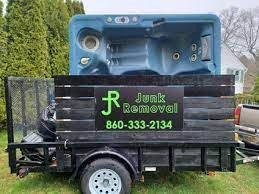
<point x="113" y="97"/>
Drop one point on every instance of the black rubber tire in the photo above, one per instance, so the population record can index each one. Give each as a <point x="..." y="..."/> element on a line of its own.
<point x="106" y="163"/>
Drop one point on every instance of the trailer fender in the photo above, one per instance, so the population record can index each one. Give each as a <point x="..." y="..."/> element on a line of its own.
<point x="104" y="153"/>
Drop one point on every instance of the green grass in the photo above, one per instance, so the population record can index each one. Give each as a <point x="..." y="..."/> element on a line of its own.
<point x="245" y="180"/>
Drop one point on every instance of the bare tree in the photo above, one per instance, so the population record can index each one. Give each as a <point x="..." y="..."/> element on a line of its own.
<point x="230" y="21"/>
<point x="240" y="30"/>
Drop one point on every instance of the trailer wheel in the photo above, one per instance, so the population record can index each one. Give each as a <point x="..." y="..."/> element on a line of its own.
<point x="105" y="176"/>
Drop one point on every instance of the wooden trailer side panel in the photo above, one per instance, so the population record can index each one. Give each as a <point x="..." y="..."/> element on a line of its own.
<point x="208" y="114"/>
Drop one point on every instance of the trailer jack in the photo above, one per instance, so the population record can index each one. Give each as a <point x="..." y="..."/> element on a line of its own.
<point x="23" y="172"/>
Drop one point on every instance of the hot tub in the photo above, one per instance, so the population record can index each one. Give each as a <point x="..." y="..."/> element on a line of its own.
<point x="144" y="44"/>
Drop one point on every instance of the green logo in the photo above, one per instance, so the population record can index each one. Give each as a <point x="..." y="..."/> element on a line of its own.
<point x="112" y="98"/>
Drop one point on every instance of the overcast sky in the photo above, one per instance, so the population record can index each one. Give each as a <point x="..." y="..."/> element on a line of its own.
<point x="163" y="6"/>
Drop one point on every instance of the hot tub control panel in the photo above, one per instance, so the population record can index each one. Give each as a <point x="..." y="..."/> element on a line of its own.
<point x="144" y="44"/>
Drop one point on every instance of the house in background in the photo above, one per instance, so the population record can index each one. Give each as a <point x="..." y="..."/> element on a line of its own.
<point x="252" y="66"/>
<point x="230" y="64"/>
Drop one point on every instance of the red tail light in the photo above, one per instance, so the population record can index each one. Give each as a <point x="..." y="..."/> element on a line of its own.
<point x="237" y="115"/>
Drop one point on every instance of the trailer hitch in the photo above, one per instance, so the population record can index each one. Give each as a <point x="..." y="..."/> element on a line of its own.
<point x="247" y="155"/>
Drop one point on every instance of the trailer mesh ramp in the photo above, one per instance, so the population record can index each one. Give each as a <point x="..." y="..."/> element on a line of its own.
<point x="27" y="97"/>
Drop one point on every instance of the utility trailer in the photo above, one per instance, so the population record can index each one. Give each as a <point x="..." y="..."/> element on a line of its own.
<point x="149" y="106"/>
<point x="206" y="141"/>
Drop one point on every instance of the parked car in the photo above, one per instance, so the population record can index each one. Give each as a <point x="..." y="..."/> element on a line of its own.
<point x="247" y="124"/>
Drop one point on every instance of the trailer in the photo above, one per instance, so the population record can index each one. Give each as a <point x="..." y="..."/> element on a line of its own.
<point x="133" y="103"/>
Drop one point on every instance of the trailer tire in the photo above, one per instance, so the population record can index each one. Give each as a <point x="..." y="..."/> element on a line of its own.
<point x="105" y="176"/>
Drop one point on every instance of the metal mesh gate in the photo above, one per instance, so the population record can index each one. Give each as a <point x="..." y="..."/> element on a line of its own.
<point x="26" y="98"/>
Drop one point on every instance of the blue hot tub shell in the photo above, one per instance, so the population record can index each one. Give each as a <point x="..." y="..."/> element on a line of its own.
<point x="144" y="44"/>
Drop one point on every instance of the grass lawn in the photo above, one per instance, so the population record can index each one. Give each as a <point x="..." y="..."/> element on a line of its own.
<point x="245" y="180"/>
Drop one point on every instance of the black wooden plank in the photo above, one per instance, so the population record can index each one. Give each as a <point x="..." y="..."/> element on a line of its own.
<point x="76" y="125"/>
<point x="206" y="114"/>
<point x="116" y="136"/>
<point x="209" y="102"/>
<point x="139" y="80"/>
<point x="208" y="125"/>
<point x="214" y="91"/>
<point x="75" y="103"/>
<point x="189" y="102"/>
<point x="75" y="114"/>
<point x="74" y="91"/>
